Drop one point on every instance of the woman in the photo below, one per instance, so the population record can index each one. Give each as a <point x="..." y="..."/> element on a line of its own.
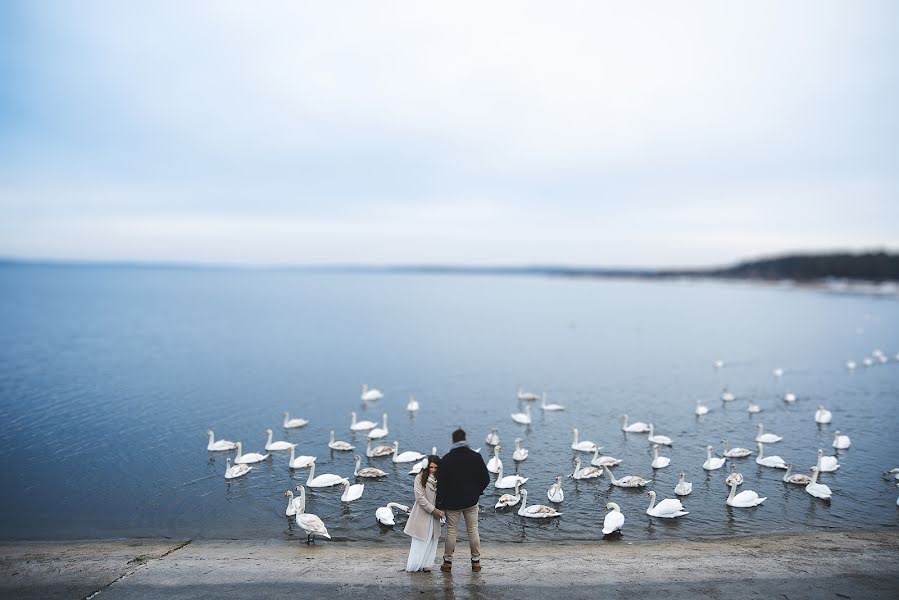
<point x="424" y="521"/>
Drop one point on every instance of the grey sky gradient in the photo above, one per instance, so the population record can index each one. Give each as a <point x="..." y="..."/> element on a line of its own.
<point x="580" y="133"/>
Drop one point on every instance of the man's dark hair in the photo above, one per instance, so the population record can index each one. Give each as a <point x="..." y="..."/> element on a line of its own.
<point x="458" y="435"/>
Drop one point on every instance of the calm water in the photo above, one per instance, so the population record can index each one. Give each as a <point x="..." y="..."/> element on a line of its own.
<point x="110" y="378"/>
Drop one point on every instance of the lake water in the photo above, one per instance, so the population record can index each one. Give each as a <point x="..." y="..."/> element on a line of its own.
<point x="110" y="378"/>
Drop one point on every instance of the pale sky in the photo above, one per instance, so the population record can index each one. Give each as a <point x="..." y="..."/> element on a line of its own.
<point x="481" y="133"/>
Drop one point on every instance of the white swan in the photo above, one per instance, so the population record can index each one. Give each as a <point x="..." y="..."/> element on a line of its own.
<point x="523" y="418"/>
<point x="508" y="482"/>
<point x="249" y="458"/>
<point x="841" y="442"/>
<point x="818" y="490"/>
<point x="407" y="456"/>
<point x="701" y="409"/>
<point x="753" y="408"/>
<point x="379" y="432"/>
<point x="867" y="361"/>
<point x="535" y="511"/>
<point x="417" y="467"/>
<point x="520" y="453"/>
<point x="662" y="440"/>
<point x="550" y="407"/>
<point x="766" y="438"/>
<point x="604" y="461"/>
<point x="270" y="445"/>
<point x="822" y="415"/>
<point x="370" y="394"/>
<point x="299" y="462"/>
<point x="583" y="446"/>
<point x="364" y="425"/>
<point x="412" y="404"/>
<point x="494" y="463"/>
<point x="727" y="395"/>
<point x="522" y="395"/>
<point x="614" y="520"/>
<point x="778" y="372"/>
<point x="735" y="452"/>
<point x="659" y="462"/>
<point x="668" y="508"/>
<point x="797" y="478"/>
<point x="850" y="364"/>
<point x="492" y="437"/>
<point x="734" y="477"/>
<point x="719" y="364"/>
<point x="790" y="397"/>
<point x="294" y="423"/>
<point x="775" y="462"/>
<point x="638" y="427"/>
<point x="555" y="493"/>
<point x="384" y="514"/>
<point x="369" y="472"/>
<point x="219" y="445"/>
<point x="351" y="492"/>
<point x="712" y="462"/>
<point x="293" y="504"/>
<point x="507" y="500"/>
<point x="683" y="488"/>
<point x="340" y="444"/>
<point x="378" y="451"/>
<point x="827" y="464"/>
<point x="238" y="470"/>
<point x="311" y="524"/>
<point x="628" y="481"/>
<point x="323" y="480"/>
<point x="745" y="499"/>
<point x="590" y="472"/>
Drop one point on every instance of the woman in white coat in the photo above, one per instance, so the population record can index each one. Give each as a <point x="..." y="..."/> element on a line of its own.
<point x="424" y="520"/>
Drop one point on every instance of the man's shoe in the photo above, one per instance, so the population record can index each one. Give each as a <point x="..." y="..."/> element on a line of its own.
<point x="475" y="565"/>
<point x="446" y="567"/>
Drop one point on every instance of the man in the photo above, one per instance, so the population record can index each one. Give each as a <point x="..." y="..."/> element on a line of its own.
<point x="463" y="478"/>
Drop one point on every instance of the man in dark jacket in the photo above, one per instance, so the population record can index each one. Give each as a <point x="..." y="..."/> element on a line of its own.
<point x="463" y="478"/>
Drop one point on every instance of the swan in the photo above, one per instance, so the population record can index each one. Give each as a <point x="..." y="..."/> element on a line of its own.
<point x="745" y="499"/>
<point x="719" y="364"/>
<point x="659" y="462"/>
<point x="219" y="445"/>
<point x="238" y="470"/>
<point x="818" y="490"/>
<point x="867" y="362"/>
<point x="293" y="504"/>
<point x="584" y="446"/>
<point x="602" y="461"/>
<point x="628" y="481"/>
<point x="841" y="442"/>
<point x="587" y="472"/>
<point x="299" y="462"/>
<point x="797" y="478"/>
<point x="778" y="372"/>
<point x="494" y="463"/>
<point x="894" y="472"/>
<point x="614" y="519"/>
<point x="766" y="438"/>
<point x="417" y="467"/>
<point x="378" y="451"/>
<point x="734" y="477"/>
<point x="774" y="462"/>
<point x="379" y="432"/>
<point x="249" y="458"/>
<point x="701" y="409"/>
<point x="662" y="440"/>
<point x="827" y="464"/>
<point x="340" y="444"/>
<point x="638" y="427"/>
<point x="683" y="488"/>
<point x="850" y="364"/>
<point x="360" y="425"/>
<point x="370" y="394"/>
<point x="270" y="445"/>
<point x="520" y="453"/>
<point x="753" y="408"/>
<point x="311" y="524"/>
<point x="555" y="492"/>
<point x="293" y="423"/>
<point x="369" y="472"/>
<point x="735" y="452"/>
<point x="727" y="395"/>
<point x="351" y="492"/>
<point x="523" y="418"/>
<point x="412" y="404"/>
<point x="550" y="407"/>
<point x="822" y="415"/>
<point x="668" y="508"/>
<point x="492" y="437"/>
<point x="790" y="397"/>
<point x="507" y="500"/>
<point x="407" y="456"/>
<point x="522" y="395"/>
<point x="323" y="480"/>
<point x="508" y="482"/>
<point x="535" y="511"/>
<point x="712" y="462"/>
<point x="384" y="514"/>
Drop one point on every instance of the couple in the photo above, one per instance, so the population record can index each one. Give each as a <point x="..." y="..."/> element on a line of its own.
<point x="447" y="488"/>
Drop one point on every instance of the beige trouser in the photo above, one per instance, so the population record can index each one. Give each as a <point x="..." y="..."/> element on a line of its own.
<point x="452" y="528"/>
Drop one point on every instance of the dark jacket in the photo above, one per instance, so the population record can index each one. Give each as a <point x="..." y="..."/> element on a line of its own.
<point x="462" y="479"/>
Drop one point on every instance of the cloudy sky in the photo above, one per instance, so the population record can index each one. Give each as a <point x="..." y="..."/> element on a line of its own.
<point x="580" y="133"/>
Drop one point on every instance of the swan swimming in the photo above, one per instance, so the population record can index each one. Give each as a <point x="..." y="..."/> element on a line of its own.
<point x="602" y="461"/>
<point x="219" y="445"/>
<point x="766" y="438"/>
<point x="774" y="462"/>
<point x="668" y="508"/>
<point x="638" y="427"/>
<point x="270" y="445"/>
<point x="683" y="488"/>
<point x="727" y="395"/>
<point x="818" y="490"/>
<point x="529" y="396"/>
<point x="323" y="480"/>
<point x="734" y="477"/>
<point x="583" y="446"/>
<point x="238" y="470"/>
<point x="585" y="473"/>
<point x="659" y="462"/>
<point x="369" y="472"/>
<point x="384" y="514"/>
<point x="550" y="407"/>
<point x="850" y="364"/>
<point x="494" y="463"/>
<point x="797" y="478"/>
<point x="735" y="452"/>
<point x="360" y="425"/>
<point x="745" y="499"/>
<point x="311" y="524"/>
<point x="701" y="409"/>
<point x="790" y="397"/>
<point x="250" y="457"/>
<point x="492" y="437"/>
<point x="509" y="481"/>
<point x="370" y="394"/>
<point x="412" y="404"/>
<point x="407" y="456"/>
<point x="628" y="481"/>
<point x="379" y="432"/>
<point x="841" y="442"/>
<point x="351" y="492"/>
<point x="378" y="451"/>
<point x="340" y="444"/>
<point x="507" y="500"/>
<point x="778" y="372"/>
<point x="523" y="418"/>
<point x="520" y="453"/>
<point x="822" y="415"/>
<point x="299" y="462"/>
<point x="294" y="423"/>
<point x="555" y="492"/>
<point x="753" y="408"/>
<point x="712" y="462"/>
<point x="535" y="511"/>
<point x="662" y="440"/>
<point x="827" y="464"/>
<point x="719" y="364"/>
<point x="614" y="520"/>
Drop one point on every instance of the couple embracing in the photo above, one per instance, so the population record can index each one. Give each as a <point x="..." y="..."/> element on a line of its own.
<point x="448" y="488"/>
